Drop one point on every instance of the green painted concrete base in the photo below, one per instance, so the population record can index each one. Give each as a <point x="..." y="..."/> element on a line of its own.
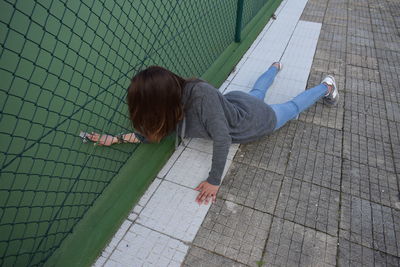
<point x="95" y="230"/>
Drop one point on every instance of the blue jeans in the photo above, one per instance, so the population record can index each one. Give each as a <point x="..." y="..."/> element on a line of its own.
<point x="291" y="109"/>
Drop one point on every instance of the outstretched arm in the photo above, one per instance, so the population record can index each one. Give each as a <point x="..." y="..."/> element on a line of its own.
<point x="216" y="124"/>
<point x="108" y="140"/>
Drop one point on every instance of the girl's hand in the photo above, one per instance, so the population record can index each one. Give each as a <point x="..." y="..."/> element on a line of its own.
<point x="102" y="140"/>
<point x="207" y="192"/>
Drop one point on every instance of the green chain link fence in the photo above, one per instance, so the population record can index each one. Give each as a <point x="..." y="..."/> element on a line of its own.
<point x="64" y="67"/>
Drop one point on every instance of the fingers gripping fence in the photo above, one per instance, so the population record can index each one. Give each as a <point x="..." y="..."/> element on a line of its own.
<point x="65" y="67"/>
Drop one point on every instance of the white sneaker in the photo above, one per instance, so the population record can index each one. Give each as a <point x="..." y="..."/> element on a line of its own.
<point x="332" y="97"/>
<point x="280" y="65"/>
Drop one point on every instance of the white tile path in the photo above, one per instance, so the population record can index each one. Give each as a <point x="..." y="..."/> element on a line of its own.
<point x="166" y="219"/>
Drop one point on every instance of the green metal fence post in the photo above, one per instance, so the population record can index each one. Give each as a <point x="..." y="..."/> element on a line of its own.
<point x="239" y="16"/>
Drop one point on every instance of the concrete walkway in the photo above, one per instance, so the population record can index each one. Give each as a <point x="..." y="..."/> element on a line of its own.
<point x="321" y="191"/>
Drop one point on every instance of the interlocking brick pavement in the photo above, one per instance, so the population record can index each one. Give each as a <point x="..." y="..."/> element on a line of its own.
<point x="309" y="205"/>
<point x="352" y="254"/>
<point x="252" y="187"/>
<point x="291" y="244"/>
<point x="204" y="258"/>
<point x="324" y="189"/>
<point x="234" y="231"/>
<point x="317" y="138"/>
<point x="369" y="224"/>
<point x="370" y="183"/>
<point x="270" y="153"/>
<point x="367" y="125"/>
<point x="315" y="167"/>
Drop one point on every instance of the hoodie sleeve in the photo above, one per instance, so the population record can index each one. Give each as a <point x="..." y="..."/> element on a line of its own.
<point x="215" y="122"/>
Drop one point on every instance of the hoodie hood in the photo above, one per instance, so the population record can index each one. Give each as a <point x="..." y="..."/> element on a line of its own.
<point x="186" y="96"/>
<point x="188" y="91"/>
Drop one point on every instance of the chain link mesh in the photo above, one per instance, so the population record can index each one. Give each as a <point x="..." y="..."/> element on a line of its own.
<point x="250" y="10"/>
<point x="65" y="67"/>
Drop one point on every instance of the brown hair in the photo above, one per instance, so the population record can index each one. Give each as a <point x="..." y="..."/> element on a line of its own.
<point x="154" y="102"/>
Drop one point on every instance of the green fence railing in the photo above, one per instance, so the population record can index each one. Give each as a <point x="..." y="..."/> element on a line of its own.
<point x="64" y="67"/>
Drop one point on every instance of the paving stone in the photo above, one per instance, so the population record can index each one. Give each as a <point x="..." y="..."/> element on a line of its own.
<point x="396" y="156"/>
<point x="315" y="167"/>
<point x="309" y="205"/>
<point x="191" y="168"/>
<point x="291" y="244"/>
<point x="324" y="115"/>
<point x="269" y="153"/>
<point x="394" y="130"/>
<point x="369" y="224"/>
<point x="336" y="67"/>
<point x="204" y="258"/>
<point x="314" y="11"/>
<point x="172" y="210"/>
<point x="358" y="19"/>
<point x="386" y="228"/>
<point x="362" y="73"/>
<point x="144" y="247"/>
<point x="332" y="45"/>
<point x="205" y="145"/>
<point x="339" y="4"/>
<point x="364" y="32"/>
<point x="336" y="9"/>
<point x="387" y="41"/>
<point x="316" y="17"/>
<point x="384" y="28"/>
<point x="355" y="10"/>
<point x="356" y="220"/>
<point x="234" y="231"/>
<point x="333" y="33"/>
<point x="364" y="87"/>
<point x="368" y="151"/>
<point x="388" y="59"/>
<point x="393" y="111"/>
<point x="352" y="254"/>
<point x="327" y="54"/>
<point x="252" y="187"/>
<point x="390" y="93"/>
<point x="318" y="138"/>
<point x="380" y="27"/>
<point x="360" y="61"/>
<point x="366" y="105"/>
<point x="363" y="20"/>
<point x="360" y="50"/>
<point x="367" y="125"/>
<point x="335" y="21"/>
<point x="370" y="183"/>
<point x="171" y="161"/>
<point x="390" y="74"/>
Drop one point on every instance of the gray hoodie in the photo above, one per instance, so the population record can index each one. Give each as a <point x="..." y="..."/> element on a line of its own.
<point x="236" y="117"/>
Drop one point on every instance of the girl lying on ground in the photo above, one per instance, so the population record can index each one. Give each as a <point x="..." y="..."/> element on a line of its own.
<point x="160" y="102"/>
